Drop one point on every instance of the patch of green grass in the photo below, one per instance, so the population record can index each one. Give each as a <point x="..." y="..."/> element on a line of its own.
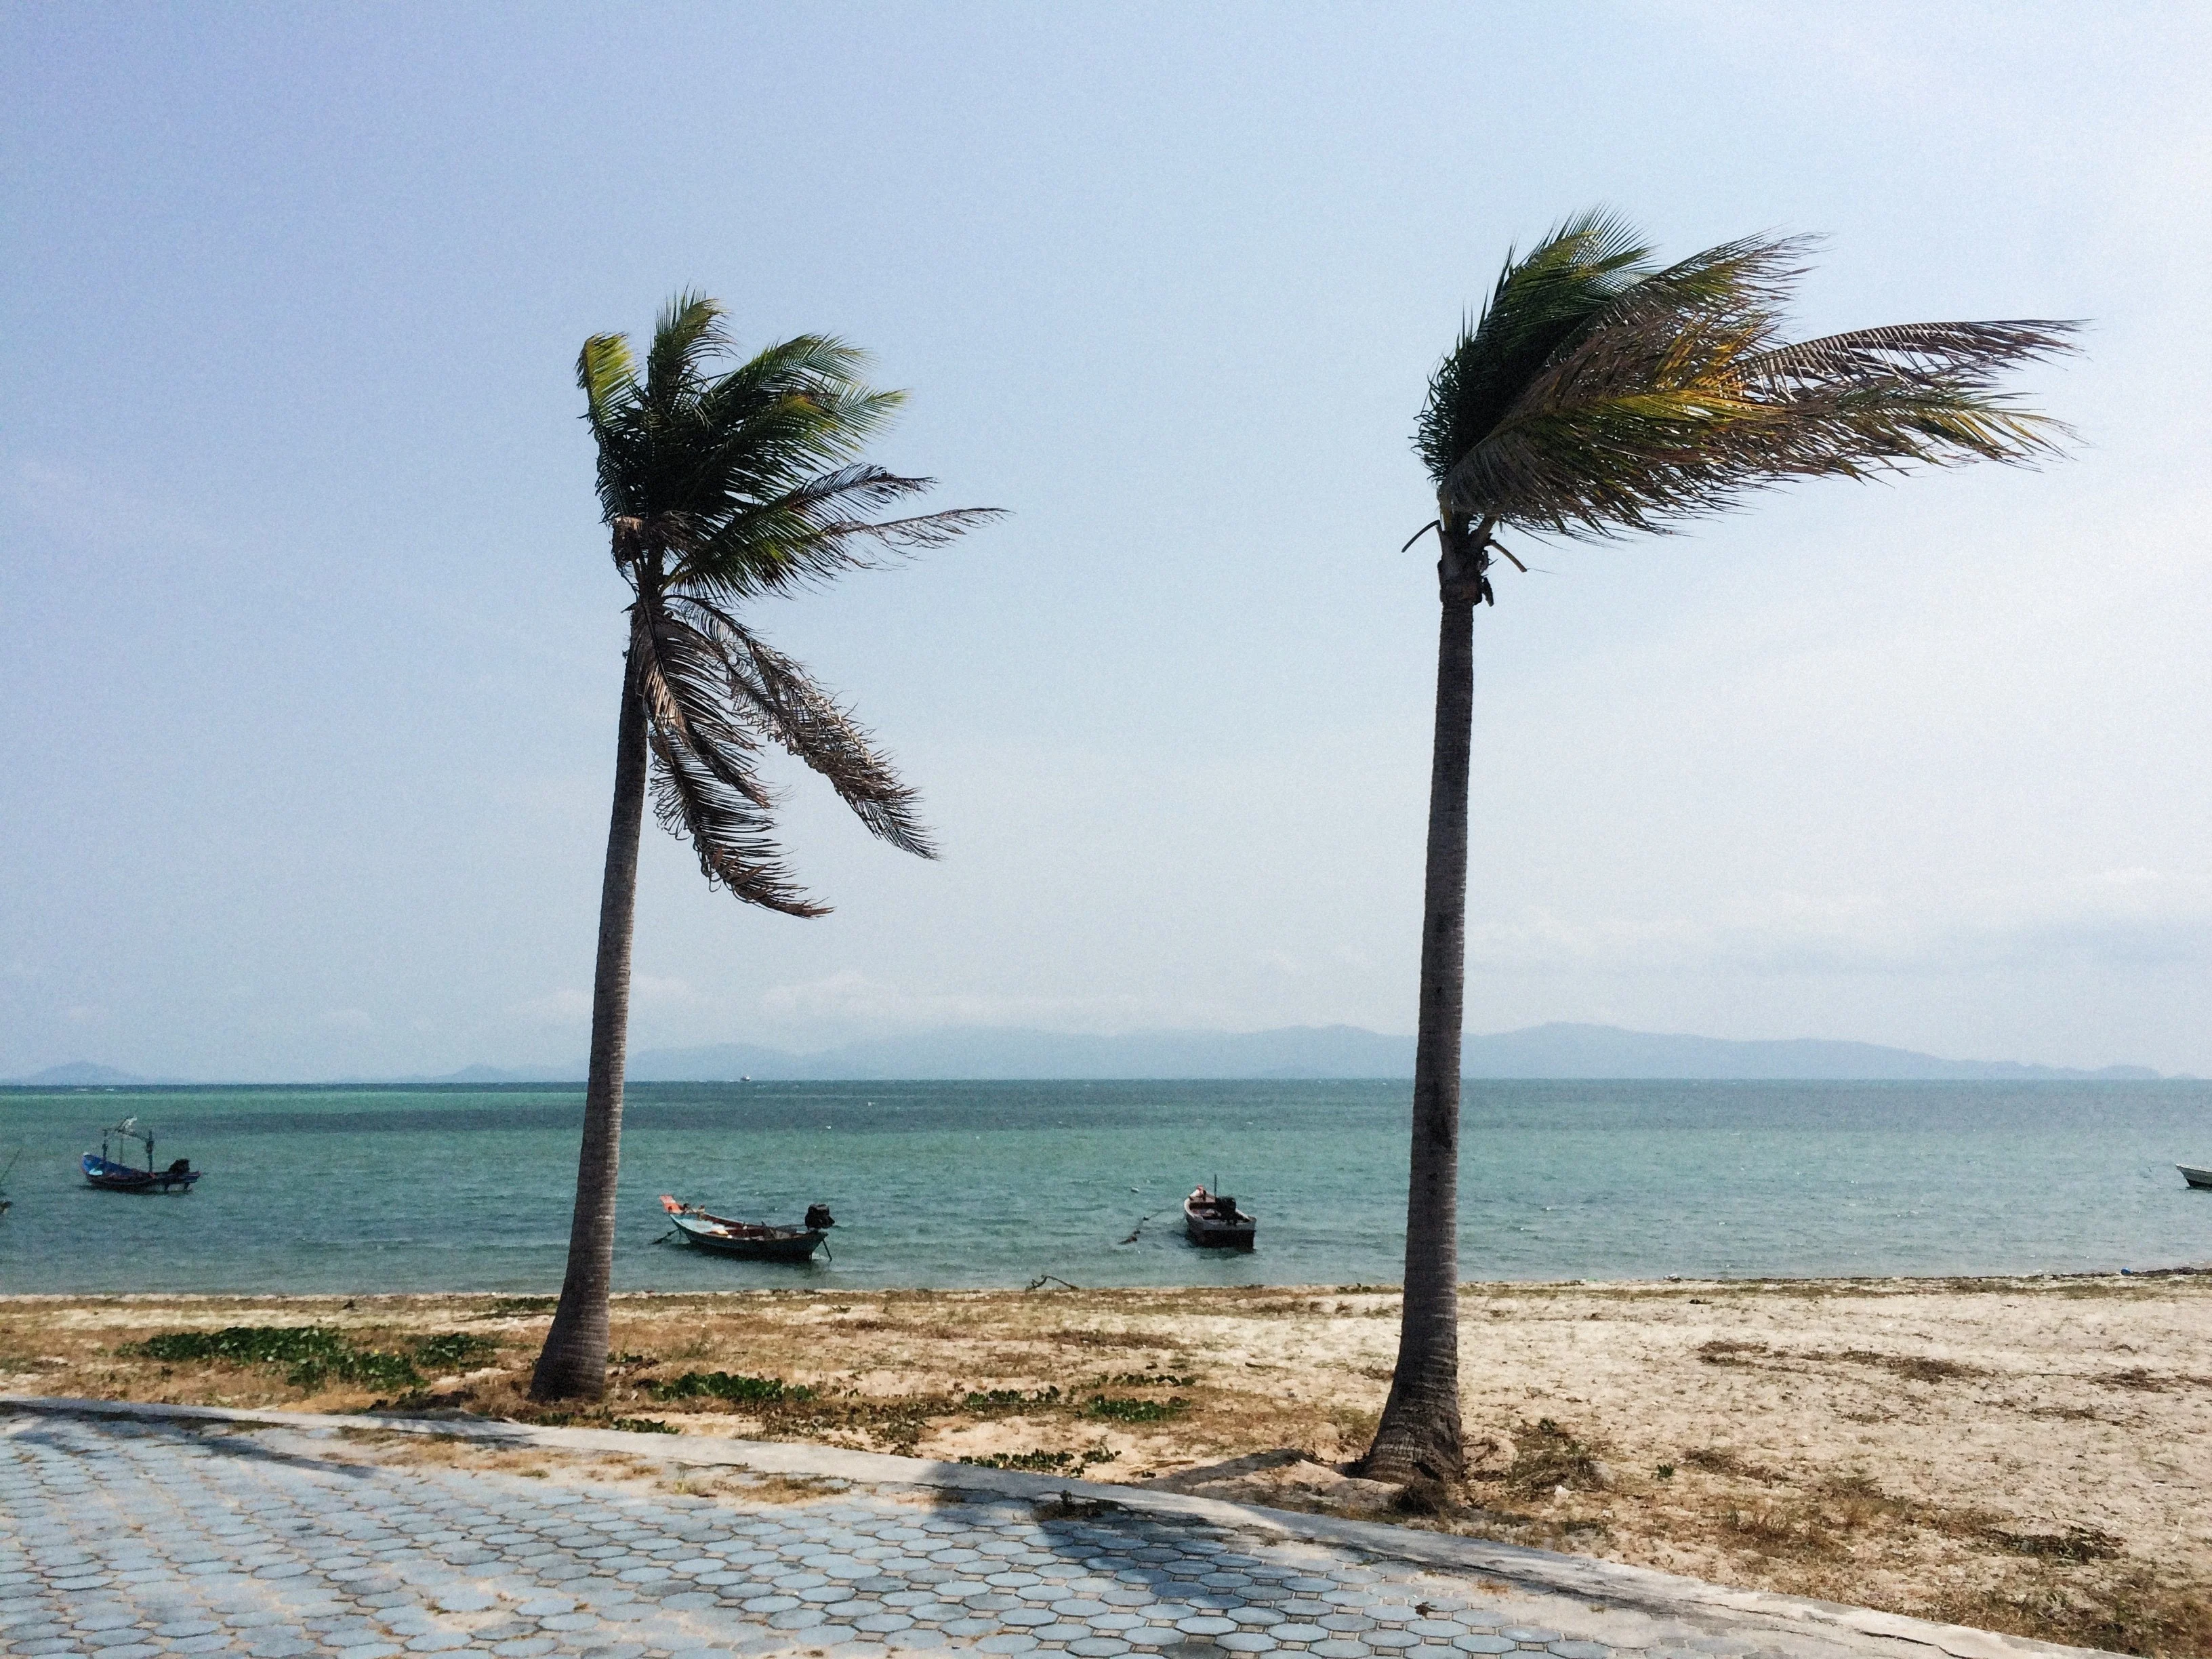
<point x="1147" y="1379"/>
<point x="245" y="1345"/>
<point x="1047" y="1463"/>
<point x="453" y="1351"/>
<point x="1118" y="1410"/>
<point x="314" y="1355"/>
<point x="1040" y="1462"/>
<point x="727" y="1385"/>
<point x="995" y="1400"/>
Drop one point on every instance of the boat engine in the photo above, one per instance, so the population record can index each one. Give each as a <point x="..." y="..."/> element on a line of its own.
<point x="818" y="1218"/>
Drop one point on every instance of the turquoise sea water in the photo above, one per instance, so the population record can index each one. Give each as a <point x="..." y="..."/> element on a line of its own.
<point x="951" y="1184"/>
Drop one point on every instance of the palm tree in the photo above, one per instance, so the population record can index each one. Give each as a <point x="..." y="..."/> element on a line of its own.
<point x="1598" y="396"/>
<point x="718" y="489"/>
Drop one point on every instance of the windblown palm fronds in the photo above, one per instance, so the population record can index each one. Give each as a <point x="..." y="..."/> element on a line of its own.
<point x="1599" y="395"/>
<point x="719" y="489"/>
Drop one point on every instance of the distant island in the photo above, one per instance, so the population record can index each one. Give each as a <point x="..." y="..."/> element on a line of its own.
<point x="1557" y="1050"/>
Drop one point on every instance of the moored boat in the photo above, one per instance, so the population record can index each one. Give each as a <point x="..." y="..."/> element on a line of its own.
<point x="752" y="1241"/>
<point x="2195" y="1177"/>
<point x="115" y="1175"/>
<point x="1213" y="1221"/>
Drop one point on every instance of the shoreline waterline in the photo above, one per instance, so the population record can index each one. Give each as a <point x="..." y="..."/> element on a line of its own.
<point x="1802" y="1284"/>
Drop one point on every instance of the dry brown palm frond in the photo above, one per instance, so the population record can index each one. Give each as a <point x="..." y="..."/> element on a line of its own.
<point x="791" y="708"/>
<point x="683" y="680"/>
<point x="1937" y="353"/>
<point x="728" y="828"/>
<point x="714" y="691"/>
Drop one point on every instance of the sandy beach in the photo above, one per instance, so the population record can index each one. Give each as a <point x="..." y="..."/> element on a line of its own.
<point x="2030" y="1455"/>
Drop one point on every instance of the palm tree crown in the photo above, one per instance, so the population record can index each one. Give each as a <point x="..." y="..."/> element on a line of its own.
<point x="1599" y="395"/>
<point x="719" y="489"/>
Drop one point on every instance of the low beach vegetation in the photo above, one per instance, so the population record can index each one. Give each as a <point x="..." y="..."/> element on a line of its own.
<point x="1118" y="1409"/>
<point x="314" y="1357"/>
<point x="1600" y="395"/>
<point x="733" y="1386"/>
<point x="1047" y="1463"/>
<point x="1006" y="1400"/>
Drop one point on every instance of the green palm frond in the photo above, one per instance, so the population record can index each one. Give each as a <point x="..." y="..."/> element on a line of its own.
<point x="687" y="337"/>
<point x="607" y="373"/>
<point x="816" y="531"/>
<point x="726" y="485"/>
<point x="1666" y="393"/>
<point x="1540" y="303"/>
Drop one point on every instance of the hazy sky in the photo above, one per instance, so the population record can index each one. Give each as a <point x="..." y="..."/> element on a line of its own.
<point x="309" y="641"/>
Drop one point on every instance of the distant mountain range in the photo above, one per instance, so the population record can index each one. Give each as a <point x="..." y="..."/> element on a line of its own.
<point x="81" y="1074"/>
<point x="1329" y="1051"/>
<point x="1300" y="1051"/>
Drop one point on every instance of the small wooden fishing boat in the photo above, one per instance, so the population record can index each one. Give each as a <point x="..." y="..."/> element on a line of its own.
<point x="1212" y="1220"/>
<point x="114" y="1175"/>
<point x="2195" y="1177"/>
<point x="752" y="1241"/>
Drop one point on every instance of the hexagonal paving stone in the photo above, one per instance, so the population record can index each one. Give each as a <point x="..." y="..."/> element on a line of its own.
<point x="862" y="1577"/>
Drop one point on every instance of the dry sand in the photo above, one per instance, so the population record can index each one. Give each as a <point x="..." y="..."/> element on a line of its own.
<point x="2029" y="1454"/>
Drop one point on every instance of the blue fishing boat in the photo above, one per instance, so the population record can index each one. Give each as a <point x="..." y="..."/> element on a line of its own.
<point x="115" y="1175"/>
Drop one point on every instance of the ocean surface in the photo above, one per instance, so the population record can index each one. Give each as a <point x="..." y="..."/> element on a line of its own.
<point x="963" y="1184"/>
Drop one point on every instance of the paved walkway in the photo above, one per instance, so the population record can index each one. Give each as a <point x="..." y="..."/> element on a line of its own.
<point x="131" y="1538"/>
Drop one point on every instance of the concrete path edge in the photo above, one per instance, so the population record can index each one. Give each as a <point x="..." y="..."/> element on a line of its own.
<point x="1613" y="1584"/>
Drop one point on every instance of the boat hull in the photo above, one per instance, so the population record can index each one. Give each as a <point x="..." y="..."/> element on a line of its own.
<point x="1211" y="1233"/>
<point x="2195" y="1177"/>
<point x="766" y="1244"/>
<point x="111" y="1177"/>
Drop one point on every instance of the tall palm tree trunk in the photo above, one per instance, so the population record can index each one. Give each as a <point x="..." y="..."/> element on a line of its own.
<point x="1420" y="1434"/>
<point x="574" y="1364"/>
